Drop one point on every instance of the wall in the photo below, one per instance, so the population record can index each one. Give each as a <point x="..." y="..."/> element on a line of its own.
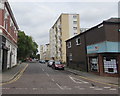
<point x="79" y="60"/>
<point x="65" y="34"/>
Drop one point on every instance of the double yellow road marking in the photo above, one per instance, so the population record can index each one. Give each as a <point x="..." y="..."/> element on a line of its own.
<point x="17" y="77"/>
<point x="98" y="81"/>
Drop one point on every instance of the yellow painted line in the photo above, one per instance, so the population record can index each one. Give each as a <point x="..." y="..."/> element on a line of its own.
<point x="17" y="77"/>
<point x="97" y="81"/>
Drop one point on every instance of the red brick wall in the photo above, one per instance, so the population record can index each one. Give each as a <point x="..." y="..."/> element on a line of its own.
<point x="10" y="31"/>
<point x="101" y="67"/>
<point x="100" y="64"/>
<point x="1" y="17"/>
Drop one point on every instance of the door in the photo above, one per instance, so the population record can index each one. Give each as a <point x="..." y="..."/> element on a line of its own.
<point x="4" y="60"/>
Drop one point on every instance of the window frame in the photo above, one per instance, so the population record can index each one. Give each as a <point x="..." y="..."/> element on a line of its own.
<point x="69" y="44"/>
<point x="77" y="43"/>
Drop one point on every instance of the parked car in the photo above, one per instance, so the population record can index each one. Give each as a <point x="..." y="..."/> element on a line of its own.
<point x="58" y="65"/>
<point x="50" y="62"/>
<point x="42" y="61"/>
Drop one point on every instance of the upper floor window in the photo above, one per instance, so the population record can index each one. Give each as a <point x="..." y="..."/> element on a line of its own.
<point x="74" y="22"/>
<point x="78" y="41"/>
<point x="69" y="45"/>
<point x="74" y="16"/>
<point x="75" y="28"/>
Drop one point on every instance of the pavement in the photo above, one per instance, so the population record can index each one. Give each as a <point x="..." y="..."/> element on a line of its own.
<point x="11" y="73"/>
<point x="94" y="77"/>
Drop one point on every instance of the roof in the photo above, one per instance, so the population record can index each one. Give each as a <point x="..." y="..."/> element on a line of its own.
<point x="111" y="20"/>
<point x="11" y="14"/>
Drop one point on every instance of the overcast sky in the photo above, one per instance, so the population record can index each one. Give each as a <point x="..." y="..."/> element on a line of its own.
<point x="36" y="18"/>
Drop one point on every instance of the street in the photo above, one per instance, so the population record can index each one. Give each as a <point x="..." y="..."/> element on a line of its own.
<point x="40" y="79"/>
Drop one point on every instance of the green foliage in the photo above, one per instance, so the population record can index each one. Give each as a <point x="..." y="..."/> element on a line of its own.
<point x="27" y="47"/>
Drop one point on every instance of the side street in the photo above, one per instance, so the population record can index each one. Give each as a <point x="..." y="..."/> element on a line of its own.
<point x="64" y="58"/>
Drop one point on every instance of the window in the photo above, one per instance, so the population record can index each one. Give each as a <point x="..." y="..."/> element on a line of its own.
<point x="78" y="41"/>
<point x="118" y="30"/>
<point x="75" y="28"/>
<point x="94" y="64"/>
<point x="74" y="22"/>
<point x="69" y="44"/>
<point x="74" y="16"/>
<point x="70" y="56"/>
<point x="110" y="65"/>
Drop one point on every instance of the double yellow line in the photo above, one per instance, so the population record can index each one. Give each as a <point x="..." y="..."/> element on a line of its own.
<point x="98" y="81"/>
<point x="17" y="77"/>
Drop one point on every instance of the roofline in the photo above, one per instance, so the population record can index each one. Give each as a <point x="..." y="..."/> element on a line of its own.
<point x="60" y="17"/>
<point x="105" y="21"/>
<point x="11" y="14"/>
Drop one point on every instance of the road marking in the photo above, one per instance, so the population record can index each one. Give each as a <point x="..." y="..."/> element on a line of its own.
<point x="97" y="81"/>
<point x="47" y="74"/>
<point x="59" y="86"/>
<point x="6" y="88"/>
<point x="79" y="88"/>
<point x="107" y="87"/>
<point x="112" y="89"/>
<point x="98" y="89"/>
<point x="92" y="87"/>
<point x="66" y="88"/>
<point x="34" y="88"/>
<point x="77" y="80"/>
<point x="16" y="78"/>
<point x="53" y="80"/>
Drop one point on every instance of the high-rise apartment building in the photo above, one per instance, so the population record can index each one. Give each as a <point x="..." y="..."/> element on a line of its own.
<point x="45" y="52"/>
<point x="66" y="26"/>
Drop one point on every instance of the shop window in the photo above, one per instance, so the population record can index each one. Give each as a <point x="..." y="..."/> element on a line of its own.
<point x="94" y="64"/>
<point x="110" y="65"/>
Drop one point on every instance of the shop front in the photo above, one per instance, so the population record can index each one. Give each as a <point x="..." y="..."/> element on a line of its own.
<point x="102" y="60"/>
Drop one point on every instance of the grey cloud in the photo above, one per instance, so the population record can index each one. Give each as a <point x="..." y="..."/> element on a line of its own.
<point x="37" y="18"/>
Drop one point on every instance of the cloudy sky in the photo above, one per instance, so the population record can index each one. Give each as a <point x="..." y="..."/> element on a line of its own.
<point x="36" y="18"/>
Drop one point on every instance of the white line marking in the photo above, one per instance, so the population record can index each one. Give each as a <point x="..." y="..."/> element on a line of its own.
<point x="107" y="87"/>
<point x="59" y="86"/>
<point x="92" y="87"/>
<point x="112" y="89"/>
<point x="35" y="88"/>
<point x="47" y="74"/>
<point x="77" y="80"/>
<point x="43" y="70"/>
<point x="67" y="88"/>
<point x="6" y="88"/>
<point x="98" y="89"/>
<point x="53" y="80"/>
<point x="19" y="88"/>
<point x="79" y="88"/>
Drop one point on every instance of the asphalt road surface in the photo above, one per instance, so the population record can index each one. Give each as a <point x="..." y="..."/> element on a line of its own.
<point x="40" y="79"/>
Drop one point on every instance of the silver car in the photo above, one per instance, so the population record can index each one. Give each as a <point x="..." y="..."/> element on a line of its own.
<point x="50" y="62"/>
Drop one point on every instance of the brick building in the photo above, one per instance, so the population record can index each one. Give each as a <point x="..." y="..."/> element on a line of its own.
<point x="8" y="37"/>
<point x="97" y="49"/>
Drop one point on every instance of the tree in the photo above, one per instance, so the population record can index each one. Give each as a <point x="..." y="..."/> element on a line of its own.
<point x="27" y="47"/>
